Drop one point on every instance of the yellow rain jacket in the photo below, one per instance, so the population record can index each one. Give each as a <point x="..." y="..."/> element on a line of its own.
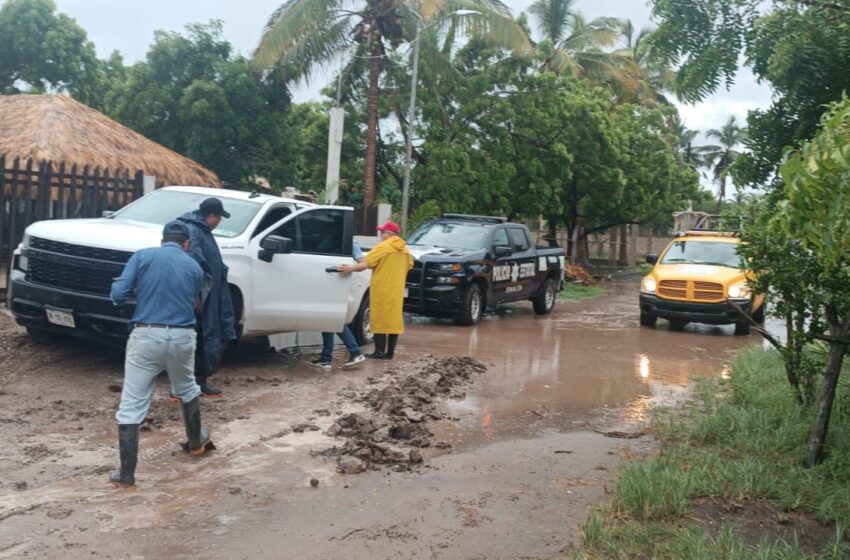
<point x="389" y="260"/>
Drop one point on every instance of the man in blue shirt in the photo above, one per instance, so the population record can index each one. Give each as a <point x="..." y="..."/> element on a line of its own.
<point x="355" y="354"/>
<point x="167" y="284"/>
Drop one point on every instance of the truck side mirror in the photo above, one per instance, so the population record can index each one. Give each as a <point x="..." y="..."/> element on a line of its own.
<point x="503" y="251"/>
<point x="274" y="245"/>
<point x="651" y="259"/>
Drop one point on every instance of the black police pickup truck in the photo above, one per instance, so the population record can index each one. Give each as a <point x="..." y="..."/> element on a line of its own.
<point x="466" y="264"/>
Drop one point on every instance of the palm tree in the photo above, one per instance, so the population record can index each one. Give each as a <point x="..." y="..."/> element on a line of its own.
<point x="578" y="44"/>
<point x="651" y="77"/>
<point x="304" y="34"/>
<point x="721" y="157"/>
<point x="681" y="138"/>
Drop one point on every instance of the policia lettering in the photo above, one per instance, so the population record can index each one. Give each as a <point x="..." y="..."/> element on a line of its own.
<point x="514" y="272"/>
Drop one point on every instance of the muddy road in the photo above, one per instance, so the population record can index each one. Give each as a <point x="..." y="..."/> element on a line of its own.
<point x="487" y="442"/>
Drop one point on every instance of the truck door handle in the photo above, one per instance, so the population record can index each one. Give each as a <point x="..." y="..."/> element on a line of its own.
<point x="332" y="270"/>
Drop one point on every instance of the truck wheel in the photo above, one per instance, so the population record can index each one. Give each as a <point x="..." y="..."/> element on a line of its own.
<point x="545" y="302"/>
<point x="677" y="324"/>
<point x="361" y="326"/>
<point x="647" y="320"/>
<point x="742" y="327"/>
<point x="472" y="307"/>
<point x="758" y="316"/>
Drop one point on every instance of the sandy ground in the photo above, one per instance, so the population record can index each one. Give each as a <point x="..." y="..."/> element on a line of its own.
<point x="486" y="442"/>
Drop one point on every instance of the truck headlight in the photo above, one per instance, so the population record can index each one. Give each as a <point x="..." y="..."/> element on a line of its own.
<point x="446" y="280"/>
<point x="739" y="291"/>
<point x="648" y="285"/>
<point x="448" y="267"/>
<point x="21" y="260"/>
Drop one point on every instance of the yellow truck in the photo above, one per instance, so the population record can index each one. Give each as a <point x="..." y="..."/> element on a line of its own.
<point x="696" y="280"/>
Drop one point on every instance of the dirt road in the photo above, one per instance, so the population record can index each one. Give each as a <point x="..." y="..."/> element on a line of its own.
<point x="494" y="456"/>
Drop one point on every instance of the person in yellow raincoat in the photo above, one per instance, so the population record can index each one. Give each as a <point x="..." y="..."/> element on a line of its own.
<point x="389" y="260"/>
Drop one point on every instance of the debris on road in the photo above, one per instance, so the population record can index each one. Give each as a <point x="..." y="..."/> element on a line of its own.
<point x="399" y="405"/>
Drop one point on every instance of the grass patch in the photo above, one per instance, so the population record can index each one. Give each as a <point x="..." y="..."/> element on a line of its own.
<point x="728" y="481"/>
<point x="575" y="292"/>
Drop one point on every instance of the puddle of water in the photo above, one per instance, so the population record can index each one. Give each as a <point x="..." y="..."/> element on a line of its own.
<point x="584" y="361"/>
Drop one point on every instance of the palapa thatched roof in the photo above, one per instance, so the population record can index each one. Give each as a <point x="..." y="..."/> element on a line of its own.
<point x="57" y="128"/>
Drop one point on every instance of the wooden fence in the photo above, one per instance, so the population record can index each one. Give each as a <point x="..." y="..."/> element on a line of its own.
<point x="29" y="193"/>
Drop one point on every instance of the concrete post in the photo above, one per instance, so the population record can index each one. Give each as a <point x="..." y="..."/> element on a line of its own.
<point x="337" y="116"/>
<point x="148" y="184"/>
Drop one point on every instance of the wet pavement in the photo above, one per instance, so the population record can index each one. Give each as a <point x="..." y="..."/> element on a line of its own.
<point x="528" y="447"/>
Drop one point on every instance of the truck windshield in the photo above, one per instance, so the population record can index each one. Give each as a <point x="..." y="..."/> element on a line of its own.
<point x="703" y="252"/>
<point x="160" y="207"/>
<point x="450" y="236"/>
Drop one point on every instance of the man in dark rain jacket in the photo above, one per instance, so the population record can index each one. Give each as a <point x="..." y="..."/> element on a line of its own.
<point x="216" y="320"/>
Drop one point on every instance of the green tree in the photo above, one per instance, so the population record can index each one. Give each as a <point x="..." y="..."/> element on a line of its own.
<point x="505" y="140"/>
<point x="42" y="51"/>
<point x="192" y="94"/>
<point x="302" y="34"/>
<point x="798" y="48"/>
<point x="817" y="214"/>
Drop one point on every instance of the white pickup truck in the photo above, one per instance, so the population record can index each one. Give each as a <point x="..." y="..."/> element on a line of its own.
<point x="281" y="253"/>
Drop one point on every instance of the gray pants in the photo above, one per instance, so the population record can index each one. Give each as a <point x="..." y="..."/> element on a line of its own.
<point x="151" y="350"/>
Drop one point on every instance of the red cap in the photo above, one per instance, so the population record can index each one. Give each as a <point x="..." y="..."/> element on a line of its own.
<point x="390" y="226"/>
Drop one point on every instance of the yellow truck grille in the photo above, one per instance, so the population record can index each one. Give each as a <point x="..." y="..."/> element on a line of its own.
<point x="673" y="288"/>
<point x="691" y="290"/>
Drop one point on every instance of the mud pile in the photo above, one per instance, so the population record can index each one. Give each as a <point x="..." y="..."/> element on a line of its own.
<point x="399" y="406"/>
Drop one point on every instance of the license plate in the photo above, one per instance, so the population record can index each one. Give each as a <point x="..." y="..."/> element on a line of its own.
<point x="61" y="318"/>
<point x="405" y="292"/>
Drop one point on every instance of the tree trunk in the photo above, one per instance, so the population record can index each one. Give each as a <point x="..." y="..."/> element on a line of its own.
<point x="722" y="196"/>
<point x="837" y="348"/>
<point x="372" y="123"/>
<point x="624" y="246"/>
<point x="649" y="236"/>
<point x="613" y="239"/>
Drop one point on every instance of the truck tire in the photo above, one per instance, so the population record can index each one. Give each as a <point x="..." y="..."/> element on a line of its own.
<point x="758" y="316"/>
<point x="545" y="302"/>
<point x="677" y="324"/>
<point x="361" y="326"/>
<point x="742" y="327"/>
<point x="472" y="307"/>
<point x="647" y="320"/>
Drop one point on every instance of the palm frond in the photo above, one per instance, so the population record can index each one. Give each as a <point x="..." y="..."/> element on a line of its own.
<point x="309" y="30"/>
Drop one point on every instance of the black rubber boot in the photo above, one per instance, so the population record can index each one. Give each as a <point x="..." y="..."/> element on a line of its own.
<point x="380" y="348"/>
<point x="128" y="448"/>
<point x="198" y="436"/>
<point x="391" y="342"/>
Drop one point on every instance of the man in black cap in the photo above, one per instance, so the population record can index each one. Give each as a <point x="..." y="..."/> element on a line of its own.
<point x="216" y="321"/>
<point x="167" y="286"/>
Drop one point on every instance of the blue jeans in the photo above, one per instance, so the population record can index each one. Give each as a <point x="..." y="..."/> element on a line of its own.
<point x="149" y="352"/>
<point x="347" y="338"/>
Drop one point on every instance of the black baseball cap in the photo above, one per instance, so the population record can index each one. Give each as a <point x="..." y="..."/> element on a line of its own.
<point x="213" y="206"/>
<point x="175" y="228"/>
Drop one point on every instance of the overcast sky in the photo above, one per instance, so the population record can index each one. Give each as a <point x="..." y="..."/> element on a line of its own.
<point x="128" y="26"/>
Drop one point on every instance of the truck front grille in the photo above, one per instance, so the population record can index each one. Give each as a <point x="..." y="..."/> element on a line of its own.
<point x="708" y="291"/>
<point x="673" y="288"/>
<point x="74" y="267"/>
<point x="691" y="290"/>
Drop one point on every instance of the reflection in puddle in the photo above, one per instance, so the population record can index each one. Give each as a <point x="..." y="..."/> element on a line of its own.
<point x="643" y="366"/>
